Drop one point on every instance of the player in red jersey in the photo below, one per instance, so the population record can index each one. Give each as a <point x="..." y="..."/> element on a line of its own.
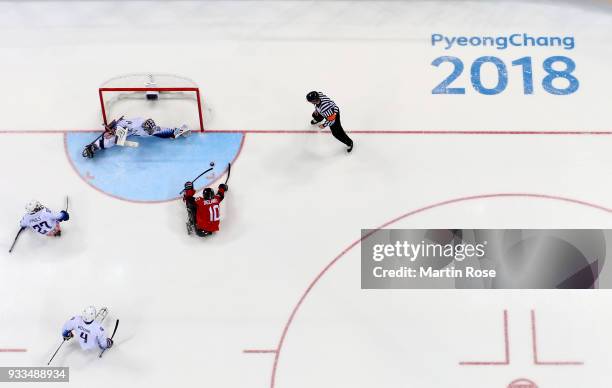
<point x="204" y="212"/>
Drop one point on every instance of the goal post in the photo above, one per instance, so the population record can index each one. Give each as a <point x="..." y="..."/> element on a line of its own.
<point x="147" y="92"/>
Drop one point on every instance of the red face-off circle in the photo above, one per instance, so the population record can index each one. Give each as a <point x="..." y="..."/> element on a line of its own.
<point x="522" y="383"/>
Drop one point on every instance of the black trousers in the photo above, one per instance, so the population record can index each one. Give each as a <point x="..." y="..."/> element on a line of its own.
<point x="336" y="128"/>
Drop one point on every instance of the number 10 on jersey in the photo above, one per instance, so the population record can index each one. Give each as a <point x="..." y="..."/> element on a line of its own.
<point x="214" y="213"/>
<point x="555" y="67"/>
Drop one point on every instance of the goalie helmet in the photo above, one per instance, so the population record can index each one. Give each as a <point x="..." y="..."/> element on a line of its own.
<point x="312" y="96"/>
<point x="149" y="124"/>
<point x="208" y="193"/>
<point x="89" y="314"/>
<point x="33" y="206"/>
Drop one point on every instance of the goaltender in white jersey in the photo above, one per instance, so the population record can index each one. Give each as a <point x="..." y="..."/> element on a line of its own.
<point x="118" y="130"/>
<point x="42" y="220"/>
<point x="88" y="329"/>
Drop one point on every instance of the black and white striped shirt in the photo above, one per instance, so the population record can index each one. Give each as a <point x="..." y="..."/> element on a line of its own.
<point x="327" y="108"/>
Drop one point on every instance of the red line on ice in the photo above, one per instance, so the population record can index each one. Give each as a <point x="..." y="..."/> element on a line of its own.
<point x="363" y="132"/>
<point x="259" y="351"/>
<point x="506" y="349"/>
<point x="534" y="343"/>
<point x="414" y="132"/>
<point x="296" y="308"/>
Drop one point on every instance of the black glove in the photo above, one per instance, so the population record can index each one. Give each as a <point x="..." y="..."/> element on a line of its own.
<point x="109" y="343"/>
<point x="64" y="216"/>
<point x="89" y="151"/>
<point x="67" y="335"/>
<point x="188" y="186"/>
<point x="224" y="187"/>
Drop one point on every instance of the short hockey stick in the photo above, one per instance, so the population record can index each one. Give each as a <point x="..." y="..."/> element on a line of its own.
<point x="16" y="237"/>
<point x="58" y="348"/>
<point x="126" y="143"/>
<point x="229" y="170"/>
<point x="96" y="139"/>
<point x="114" y="331"/>
<point x="196" y="178"/>
<point x="111" y="125"/>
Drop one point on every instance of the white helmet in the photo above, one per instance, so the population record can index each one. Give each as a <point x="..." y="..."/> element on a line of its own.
<point x="33" y="206"/>
<point x="89" y="314"/>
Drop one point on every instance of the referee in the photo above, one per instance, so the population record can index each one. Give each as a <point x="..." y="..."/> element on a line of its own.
<point x="326" y="109"/>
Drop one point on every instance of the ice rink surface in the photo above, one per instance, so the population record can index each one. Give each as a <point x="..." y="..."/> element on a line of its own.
<point x="274" y="299"/>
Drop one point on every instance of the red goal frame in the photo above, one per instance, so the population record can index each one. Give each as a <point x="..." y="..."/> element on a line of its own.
<point x="195" y="90"/>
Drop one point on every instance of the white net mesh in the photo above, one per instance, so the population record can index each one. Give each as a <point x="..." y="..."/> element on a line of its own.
<point x="166" y="107"/>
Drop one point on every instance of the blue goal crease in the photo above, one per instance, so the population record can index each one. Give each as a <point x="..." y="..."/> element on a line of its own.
<point x="158" y="168"/>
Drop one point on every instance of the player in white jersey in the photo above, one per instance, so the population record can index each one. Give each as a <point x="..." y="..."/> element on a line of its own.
<point x="88" y="329"/>
<point x="42" y="220"/>
<point x="118" y="130"/>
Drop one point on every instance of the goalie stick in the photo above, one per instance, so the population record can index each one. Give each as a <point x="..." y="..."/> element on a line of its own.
<point x="114" y="331"/>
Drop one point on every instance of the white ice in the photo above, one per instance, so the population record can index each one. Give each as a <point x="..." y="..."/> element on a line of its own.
<point x="189" y="308"/>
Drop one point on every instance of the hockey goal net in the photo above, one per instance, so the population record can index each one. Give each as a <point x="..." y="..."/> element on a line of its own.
<point x="168" y="99"/>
